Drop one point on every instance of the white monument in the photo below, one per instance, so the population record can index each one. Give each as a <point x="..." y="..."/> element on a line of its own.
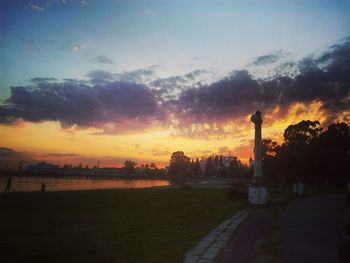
<point x="258" y="193"/>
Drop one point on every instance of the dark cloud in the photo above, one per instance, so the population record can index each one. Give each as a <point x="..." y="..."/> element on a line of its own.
<point x="8" y="153"/>
<point x="10" y="158"/>
<point x="99" y="77"/>
<point x="39" y="80"/>
<point x="62" y="154"/>
<point x="115" y="105"/>
<point x="267" y="59"/>
<point x="118" y="101"/>
<point x="196" y="73"/>
<point x="170" y="87"/>
<point x="167" y="88"/>
<point x="145" y="75"/>
<point x="103" y="60"/>
<point x="233" y="96"/>
<point x="325" y="78"/>
<point x="139" y="76"/>
<point x="290" y="69"/>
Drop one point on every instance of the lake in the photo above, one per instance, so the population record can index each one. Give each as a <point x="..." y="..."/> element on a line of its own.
<point x="33" y="183"/>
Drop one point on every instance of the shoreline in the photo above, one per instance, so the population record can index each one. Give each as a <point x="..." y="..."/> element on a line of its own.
<point x="30" y="183"/>
<point x="93" y="190"/>
<point x="59" y="184"/>
<point x="92" y="177"/>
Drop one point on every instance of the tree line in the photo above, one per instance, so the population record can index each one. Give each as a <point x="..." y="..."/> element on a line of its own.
<point x="130" y="168"/>
<point x="182" y="167"/>
<point x="309" y="154"/>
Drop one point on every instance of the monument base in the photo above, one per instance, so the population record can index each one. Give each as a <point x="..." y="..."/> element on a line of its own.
<point x="299" y="188"/>
<point x="258" y="194"/>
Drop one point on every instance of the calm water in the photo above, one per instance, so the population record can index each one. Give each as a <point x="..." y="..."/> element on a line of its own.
<point x="30" y="184"/>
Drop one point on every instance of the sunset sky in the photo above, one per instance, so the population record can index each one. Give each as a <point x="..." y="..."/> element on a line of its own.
<point x="113" y="80"/>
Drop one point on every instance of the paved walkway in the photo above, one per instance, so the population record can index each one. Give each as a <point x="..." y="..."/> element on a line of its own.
<point x="207" y="250"/>
<point x="314" y="229"/>
<point x="242" y="244"/>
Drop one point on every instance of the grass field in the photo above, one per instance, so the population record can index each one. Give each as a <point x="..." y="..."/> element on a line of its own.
<point x="136" y="225"/>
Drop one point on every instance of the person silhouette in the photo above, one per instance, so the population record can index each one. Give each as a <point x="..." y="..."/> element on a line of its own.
<point x="8" y="185"/>
<point x="43" y="187"/>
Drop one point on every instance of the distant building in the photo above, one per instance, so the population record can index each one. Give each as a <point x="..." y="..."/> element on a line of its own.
<point x="42" y="167"/>
<point x="202" y="163"/>
<point x="227" y="160"/>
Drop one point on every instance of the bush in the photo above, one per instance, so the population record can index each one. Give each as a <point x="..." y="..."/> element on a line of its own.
<point x="238" y="193"/>
<point x="188" y="185"/>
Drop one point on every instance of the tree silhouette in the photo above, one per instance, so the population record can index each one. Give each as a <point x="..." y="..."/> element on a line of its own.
<point x="333" y="154"/>
<point x="209" y="167"/>
<point x="222" y="168"/>
<point x="302" y="133"/>
<point x="179" y="164"/>
<point x="298" y="142"/>
<point x="269" y="148"/>
<point x="309" y="154"/>
<point x="216" y="164"/>
<point x="270" y="155"/>
<point x="130" y="166"/>
<point x="197" y="168"/>
<point x="233" y="168"/>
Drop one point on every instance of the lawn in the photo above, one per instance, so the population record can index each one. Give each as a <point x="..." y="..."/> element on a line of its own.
<point x="135" y="225"/>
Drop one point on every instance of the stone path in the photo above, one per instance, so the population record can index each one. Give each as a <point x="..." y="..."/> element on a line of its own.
<point x="315" y="227"/>
<point x="207" y="250"/>
<point x="242" y="245"/>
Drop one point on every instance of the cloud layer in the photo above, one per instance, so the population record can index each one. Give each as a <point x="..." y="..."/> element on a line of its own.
<point x="115" y="105"/>
<point x="120" y="102"/>
<point x="8" y="153"/>
<point x="103" y="60"/>
<point x="325" y="78"/>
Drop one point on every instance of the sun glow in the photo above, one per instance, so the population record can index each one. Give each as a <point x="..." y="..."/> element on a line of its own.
<point x="49" y="141"/>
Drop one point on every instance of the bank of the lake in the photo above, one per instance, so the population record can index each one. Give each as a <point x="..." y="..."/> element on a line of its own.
<point x="126" y="225"/>
<point x="33" y="183"/>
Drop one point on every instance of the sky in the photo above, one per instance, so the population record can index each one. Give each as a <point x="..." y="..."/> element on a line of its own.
<point x="109" y="81"/>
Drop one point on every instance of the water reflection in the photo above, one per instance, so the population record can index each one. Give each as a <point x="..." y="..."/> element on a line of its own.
<point x="30" y="184"/>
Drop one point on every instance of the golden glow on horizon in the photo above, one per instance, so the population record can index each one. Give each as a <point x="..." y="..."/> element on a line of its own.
<point x="296" y="113"/>
<point x="44" y="140"/>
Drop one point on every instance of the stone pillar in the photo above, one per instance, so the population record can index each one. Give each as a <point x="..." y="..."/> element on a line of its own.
<point x="258" y="192"/>
<point x="258" y="171"/>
